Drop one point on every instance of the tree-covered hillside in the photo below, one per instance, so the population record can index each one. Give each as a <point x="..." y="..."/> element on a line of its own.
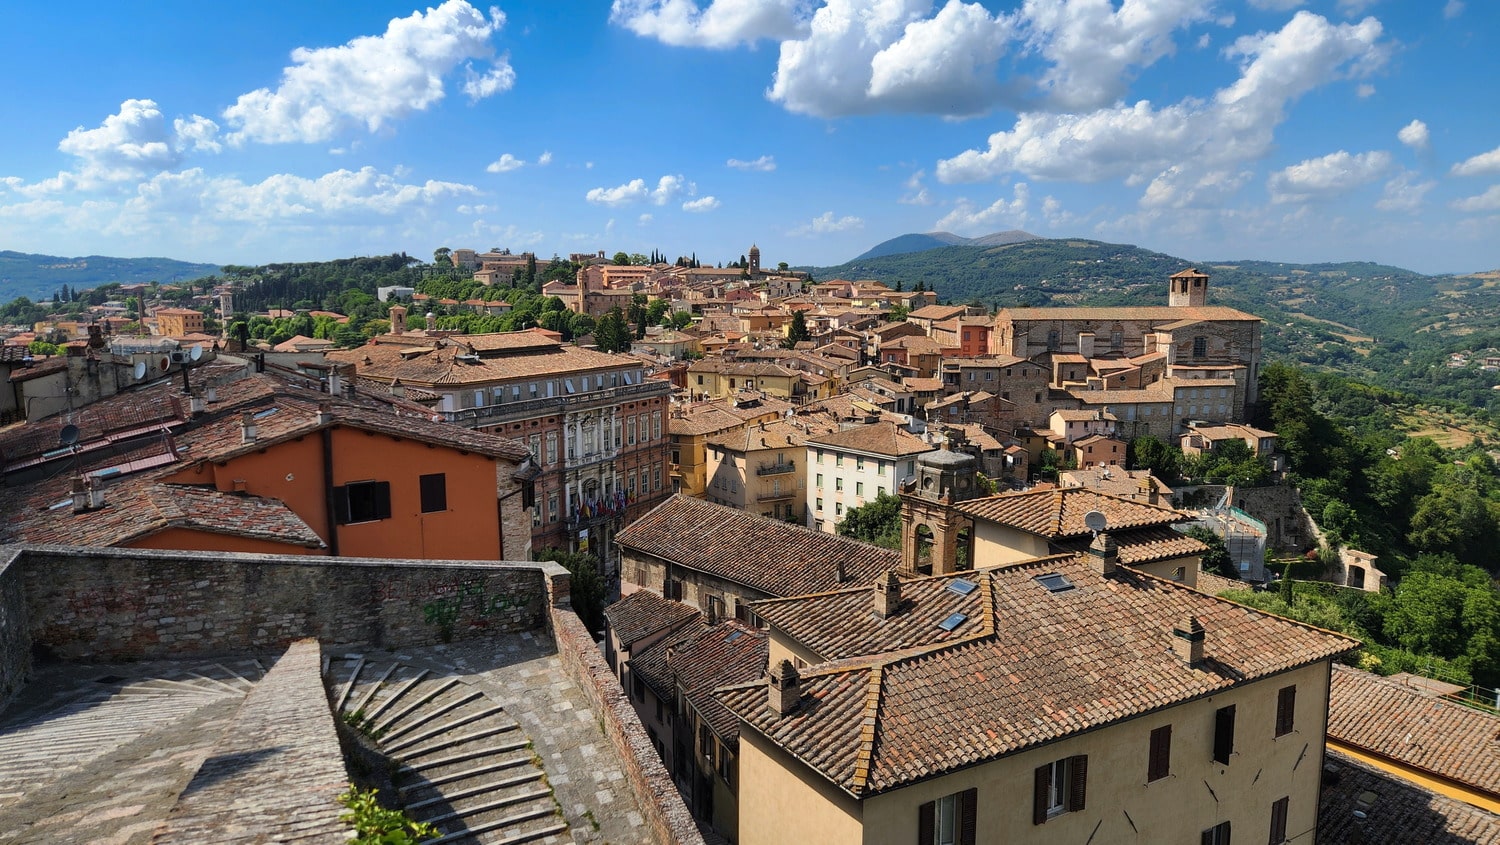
<point x="37" y="277"/>
<point x="1385" y="325"/>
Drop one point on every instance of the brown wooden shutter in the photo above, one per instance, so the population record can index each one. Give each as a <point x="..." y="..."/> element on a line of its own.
<point x="1078" y="778"/>
<point x="1224" y="734"/>
<point x="1160" y="763"/>
<point x="968" y="806"/>
<point x="927" y="823"/>
<point x="1039" y="799"/>
<point x="1286" y="708"/>
<point x="1278" y="821"/>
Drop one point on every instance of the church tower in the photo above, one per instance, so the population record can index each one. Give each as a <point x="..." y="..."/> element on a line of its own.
<point x="1187" y="289"/>
<point x="933" y="532"/>
<point x="754" y="261"/>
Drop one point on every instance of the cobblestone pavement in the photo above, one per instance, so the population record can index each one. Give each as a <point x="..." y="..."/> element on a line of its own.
<point x="523" y="673"/>
<point x="118" y="795"/>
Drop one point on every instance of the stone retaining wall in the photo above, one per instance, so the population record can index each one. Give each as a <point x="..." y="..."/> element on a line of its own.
<point x="666" y="814"/>
<point x="276" y="774"/>
<point x="113" y="604"/>
<point x="15" y="634"/>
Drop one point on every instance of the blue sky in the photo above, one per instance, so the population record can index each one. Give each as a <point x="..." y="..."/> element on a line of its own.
<point x="1272" y="129"/>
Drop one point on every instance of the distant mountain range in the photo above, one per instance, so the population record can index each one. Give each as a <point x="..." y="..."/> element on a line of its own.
<point x="37" y="277"/>
<point x="933" y="240"/>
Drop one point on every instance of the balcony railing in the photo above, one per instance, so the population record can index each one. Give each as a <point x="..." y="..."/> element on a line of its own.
<point x="778" y="468"/>
<point x="523" y="408"/>
<point x="775" y="495"/>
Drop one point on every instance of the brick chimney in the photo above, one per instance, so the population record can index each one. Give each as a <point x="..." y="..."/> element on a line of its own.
<point x="1149" y="491"/>
<point x="784" y="688"/>
<point x="398" y="319"/>
<point x="247" y="427"/>
<point x="1187" y="640"/>
<point x="1104" y="554"/>
<point x="325" y="413"/>
<point x="887" y="595"/>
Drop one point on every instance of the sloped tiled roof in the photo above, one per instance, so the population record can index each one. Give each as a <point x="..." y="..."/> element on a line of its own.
<point x="713" y="656"/>
<point x="768" y="555"/>
<point x="1058" y="514"/>
<point x="1386" y="718"/>
<point x="881" y="438"/>
<point x="1048" y="665"/>
<point x="1395" y="810"/>
<point x="1144" y="545"/>
<point x="644" y="613"/>
<point x="1155" y="313"/>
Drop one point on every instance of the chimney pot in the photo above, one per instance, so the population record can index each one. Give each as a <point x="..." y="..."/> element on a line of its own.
<point x="1187" y="640"/>
<point x="887" y="595"/>
<point x="784" y="688"/>
<point x="325" y="413"/>
<point x="1105" y="554"/>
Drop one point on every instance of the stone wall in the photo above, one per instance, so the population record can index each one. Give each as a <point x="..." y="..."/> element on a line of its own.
<point x="276" y="773"/>
<point x="666" y="814"/>
<point x="114" y="604"/>
<point x="15" y="635"/>
<point x="1289" y="530"/>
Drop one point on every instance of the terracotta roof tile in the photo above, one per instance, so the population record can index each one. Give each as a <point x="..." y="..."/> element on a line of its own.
<point x="882" y="438"/>
<point x="1156" y="313"/>
<point x="1384" y="717"/>
<point x="767" y="555"/>
<point x="1057" y="514"/>
<point x="1049" y="665"/>
<point x="1400" y="812"/>
<point x="644" y="613"/>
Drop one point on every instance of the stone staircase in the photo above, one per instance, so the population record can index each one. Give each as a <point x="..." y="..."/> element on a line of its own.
<point x="98" y="712"/>
<point x="466" y="766"/>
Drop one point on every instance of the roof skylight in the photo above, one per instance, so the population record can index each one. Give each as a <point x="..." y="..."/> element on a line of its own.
<point x="1054" y="582"/>
<point x="961" y="586"/>
<point x="953" y="621"/>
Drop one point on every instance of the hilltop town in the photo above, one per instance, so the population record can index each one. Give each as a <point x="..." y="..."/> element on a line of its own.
<point x="616" y="548"/>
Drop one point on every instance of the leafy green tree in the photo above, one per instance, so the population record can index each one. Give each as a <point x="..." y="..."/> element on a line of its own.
<point x="1149" y="453"/>
<point x="640" y="260"/>
<point x="898" y="313"/>
<point x="877" y="521"/>
<point x="656" y="311"/>
<point x="680" y="319"/>
<point x="797" y="331"/>
<point x="586" y="588"/>
<point x="622" y="258"/>
<point x="442" y="256"/>
<point x="580" y="325"/>
<point x="42" y="347"/>
<point x="1426" y="614"/>
<point x="1216" y="559"/>
<point x="611" y="334"/>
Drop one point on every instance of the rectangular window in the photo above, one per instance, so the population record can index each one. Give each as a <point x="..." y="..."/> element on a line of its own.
<point x="1200" y="346"/>
<point x="637" y="687"/>
<point x="838" y="508"/>
<point x="838" y="483"/>
<point x="1286" y="709"/>
<point x="362" y="501"/>
<point x="950" y="820"/>
<point x="819" y="504"/>
<point x="1060" y="787"/>
<point x="435" y="494"/>
<point x="656" y="425"/>
<point x="820" y="481"/>
<point x="880" y="467"/>
<point x="551" y="447"/>
<point x="1160" y="763"/>
<point x="1224" y="734"/>
<point x="838" y="460"/>
<point x="552" y="507"/>
<point x="859" y="488"/>
<point x="534" y="443"/>
<point x="1217" y="835"/>
<point x="1278" y="821"/>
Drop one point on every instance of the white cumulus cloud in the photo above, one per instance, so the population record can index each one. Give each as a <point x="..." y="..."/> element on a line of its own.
<point x="1487" y="201"/>
<point x="544" y="159"/>
<point x="128" y="144"/>
<point x="1404" y="193"/>
<point x="1452" y="9"/>
<point x="1328" y="176"/>
<point x="667" y="189"/>
<point x="1193" y="146"/>
<point x="722" y="23"/>
<point x="505" y="164"/>
<point x="1414" y="135"/>
<point x="1480" y="165"/>
<point x="764" y="164"/>
<point x="826" y="223"/>
<point x="374" y="80"/>
<point x="969" y="217"/>
<point x="861" y="57"/>
<point x="701" y="204"/>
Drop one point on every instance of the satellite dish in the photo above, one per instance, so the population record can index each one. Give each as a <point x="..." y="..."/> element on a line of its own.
<point x="140" y="370"/>
<point x="1095" y="521"/>
<point x="69" y="435"/>
<point x="195" y="352"/>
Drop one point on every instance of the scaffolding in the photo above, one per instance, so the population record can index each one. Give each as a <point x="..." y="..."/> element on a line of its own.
<point x="1244" y="538"/>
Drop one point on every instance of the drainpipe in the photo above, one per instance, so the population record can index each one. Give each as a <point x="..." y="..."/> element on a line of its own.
<point x="328" y="491"/>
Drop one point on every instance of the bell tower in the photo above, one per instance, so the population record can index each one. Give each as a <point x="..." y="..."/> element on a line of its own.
<point x="1187" y="289"/>
<point x="754" y="268"/>
<point x="932" y="531"/>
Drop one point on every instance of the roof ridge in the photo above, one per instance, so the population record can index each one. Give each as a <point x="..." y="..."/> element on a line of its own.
<point x="868" y="727"/>
<point x="1141" y="573"/>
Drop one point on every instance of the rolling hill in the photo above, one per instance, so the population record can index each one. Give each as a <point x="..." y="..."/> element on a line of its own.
<point x="934" y="240"/>
<point x="37" y="277"/>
